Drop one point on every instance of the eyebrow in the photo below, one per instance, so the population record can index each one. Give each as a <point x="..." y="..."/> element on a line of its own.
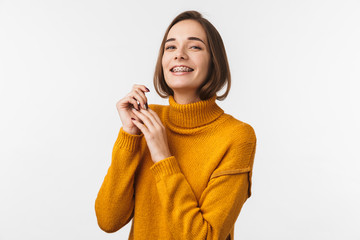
<point x="189" y="38"/>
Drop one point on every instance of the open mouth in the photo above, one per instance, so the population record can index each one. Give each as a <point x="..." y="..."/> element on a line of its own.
<point x="181" y="69"/>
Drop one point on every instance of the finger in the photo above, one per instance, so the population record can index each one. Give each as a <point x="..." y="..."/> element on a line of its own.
<point x="143" y="97"/>
<point x="143" y="87"/>
<point x="133" y="101"/>
<point x="155" y="116"/>
<point x="141" y="126"/>
<point x="147" y="121"/>
<point x="138" y="98"/>
<point x="152" y="115"/>
<point x="136" y="117"/>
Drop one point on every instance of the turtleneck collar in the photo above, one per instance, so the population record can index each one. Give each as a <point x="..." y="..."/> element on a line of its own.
<point x="193" y="115"/>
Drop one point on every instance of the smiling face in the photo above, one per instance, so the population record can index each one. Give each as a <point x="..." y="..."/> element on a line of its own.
<point x="186" y="46"/>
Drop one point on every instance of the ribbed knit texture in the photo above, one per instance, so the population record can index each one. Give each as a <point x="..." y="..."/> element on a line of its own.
<point x="197" y="193"/>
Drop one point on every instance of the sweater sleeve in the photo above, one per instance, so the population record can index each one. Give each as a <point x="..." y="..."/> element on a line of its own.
<point x="220" y="203"/>
<point x="114" y="204"/>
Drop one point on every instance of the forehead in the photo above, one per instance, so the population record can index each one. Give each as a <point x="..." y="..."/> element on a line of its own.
<point x="187" y="28"/>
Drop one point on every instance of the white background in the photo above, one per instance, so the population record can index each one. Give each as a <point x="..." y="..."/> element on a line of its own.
<point x="295" y="71"/>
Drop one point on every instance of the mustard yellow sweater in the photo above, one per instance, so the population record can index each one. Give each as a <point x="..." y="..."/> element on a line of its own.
<point x="197" y="193"/>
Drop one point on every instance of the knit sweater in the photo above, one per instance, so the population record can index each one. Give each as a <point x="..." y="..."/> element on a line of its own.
<point x="197" y="193"/>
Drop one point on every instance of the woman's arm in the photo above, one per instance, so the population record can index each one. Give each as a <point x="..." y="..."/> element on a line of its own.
<point x="220" y="203"/>
<point x="114" y="204"/>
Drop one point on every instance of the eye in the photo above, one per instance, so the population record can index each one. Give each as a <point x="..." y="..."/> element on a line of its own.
<point x="169" y="47"/>
<point x="196" y="47"/>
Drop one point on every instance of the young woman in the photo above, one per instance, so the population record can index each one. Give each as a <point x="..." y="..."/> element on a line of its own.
<point x="183" y="170"/>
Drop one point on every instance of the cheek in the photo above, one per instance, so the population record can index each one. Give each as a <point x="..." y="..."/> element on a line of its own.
<point x="165" y="60"/>
<point x="204" y="62"/>
<point x="165" y="65"/>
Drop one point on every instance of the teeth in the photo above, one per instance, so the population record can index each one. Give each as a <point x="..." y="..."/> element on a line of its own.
<point x="181" y="69"/>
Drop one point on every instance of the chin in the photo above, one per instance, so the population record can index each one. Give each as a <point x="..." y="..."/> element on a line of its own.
<point x="181" y="86"/>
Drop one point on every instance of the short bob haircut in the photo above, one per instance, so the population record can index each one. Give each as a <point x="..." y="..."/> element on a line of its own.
<point x="219" y="72"/>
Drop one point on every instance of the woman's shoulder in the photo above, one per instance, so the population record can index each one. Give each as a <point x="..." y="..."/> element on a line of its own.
<point x="240" y="129"/>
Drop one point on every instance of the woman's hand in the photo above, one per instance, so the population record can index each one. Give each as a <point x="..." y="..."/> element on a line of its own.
<point x="125" y="105"/>
<point x="154" y="132"/>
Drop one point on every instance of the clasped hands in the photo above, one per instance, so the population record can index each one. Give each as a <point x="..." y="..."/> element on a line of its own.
<point x="154" y="133"/>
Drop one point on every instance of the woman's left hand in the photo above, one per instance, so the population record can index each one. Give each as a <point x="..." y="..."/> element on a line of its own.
<point x="154" y="132"/>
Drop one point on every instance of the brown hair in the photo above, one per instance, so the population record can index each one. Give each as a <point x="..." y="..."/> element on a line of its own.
<point x="219" y="71"/>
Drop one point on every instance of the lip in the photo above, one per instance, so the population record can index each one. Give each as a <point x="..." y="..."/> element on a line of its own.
<point x="180" y="66"/>
<point x="180" y="73"/>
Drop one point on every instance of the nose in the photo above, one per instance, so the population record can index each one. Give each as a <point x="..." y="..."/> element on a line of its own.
<point x="180" y="53"/>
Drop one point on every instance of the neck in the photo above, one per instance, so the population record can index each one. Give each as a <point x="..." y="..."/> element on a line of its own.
<point x="194" y="114"/>
<point x="186" y="98"/>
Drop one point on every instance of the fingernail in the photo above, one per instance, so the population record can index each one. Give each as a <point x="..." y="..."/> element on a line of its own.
<point x="147" y="89"/>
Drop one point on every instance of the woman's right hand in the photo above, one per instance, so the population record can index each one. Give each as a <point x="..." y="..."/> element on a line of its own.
<point x="125" y="105"/>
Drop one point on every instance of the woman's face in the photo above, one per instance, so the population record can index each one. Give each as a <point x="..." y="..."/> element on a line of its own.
<point x="187" y="46"/>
